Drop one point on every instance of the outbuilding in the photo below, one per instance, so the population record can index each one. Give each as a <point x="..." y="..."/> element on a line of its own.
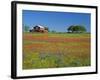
<point x="38" y="28"/>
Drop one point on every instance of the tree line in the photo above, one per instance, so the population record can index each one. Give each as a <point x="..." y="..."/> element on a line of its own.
<point x="70" y="29"/>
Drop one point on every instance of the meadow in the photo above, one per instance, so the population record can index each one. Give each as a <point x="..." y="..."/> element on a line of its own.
<point x="55" y="50"/>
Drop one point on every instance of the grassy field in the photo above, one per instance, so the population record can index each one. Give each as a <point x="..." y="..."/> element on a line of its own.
<point x="53" y="50"/>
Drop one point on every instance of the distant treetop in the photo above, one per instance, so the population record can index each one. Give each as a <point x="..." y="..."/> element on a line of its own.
<point x="76" y="29"/>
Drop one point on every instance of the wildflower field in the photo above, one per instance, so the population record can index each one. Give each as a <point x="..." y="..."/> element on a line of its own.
<point x="55" y="50"/>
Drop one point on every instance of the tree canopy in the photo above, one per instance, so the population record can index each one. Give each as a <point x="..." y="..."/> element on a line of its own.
<point x="26" y="28"/>
<point x="46" y="28"/>
<point x="76" y="29"/>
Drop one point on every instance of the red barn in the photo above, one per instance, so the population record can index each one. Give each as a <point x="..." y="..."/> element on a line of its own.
<point x="39" y="28"/>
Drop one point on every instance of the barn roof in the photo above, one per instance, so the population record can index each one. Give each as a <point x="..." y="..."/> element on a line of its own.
<point x="40" y="26"/>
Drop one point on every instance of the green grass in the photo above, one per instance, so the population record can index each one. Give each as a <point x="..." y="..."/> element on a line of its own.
<point x="68" y="35"/>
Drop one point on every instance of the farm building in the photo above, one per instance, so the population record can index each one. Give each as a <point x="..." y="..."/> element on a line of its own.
<point x="38" y="28"/>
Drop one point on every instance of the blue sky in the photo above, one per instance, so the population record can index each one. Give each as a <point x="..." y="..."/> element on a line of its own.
<point x="58" y="21"/>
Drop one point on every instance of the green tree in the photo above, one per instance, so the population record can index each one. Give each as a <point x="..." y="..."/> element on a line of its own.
<point x="26" y="28"/>
<point x="76" y="29"/>
<point x="46" y="28"/>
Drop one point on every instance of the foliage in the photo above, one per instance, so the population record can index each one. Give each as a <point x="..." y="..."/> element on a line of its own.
<point x="76" y="29"/>
<point x="46" y="28"/>
<point x="26" y="28"/>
